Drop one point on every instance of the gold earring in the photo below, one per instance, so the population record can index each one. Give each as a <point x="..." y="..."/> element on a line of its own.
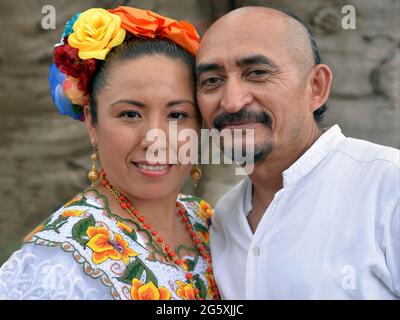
<point x="196" y="174"/>
<point x="93" y="174"/>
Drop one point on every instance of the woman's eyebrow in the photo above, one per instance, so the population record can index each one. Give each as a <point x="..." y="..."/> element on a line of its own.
<point x="176" y="102"/>
<point x="132" y="102"/>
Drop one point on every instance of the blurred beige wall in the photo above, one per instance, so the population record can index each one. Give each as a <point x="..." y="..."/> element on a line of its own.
<point x="44" y="156"/>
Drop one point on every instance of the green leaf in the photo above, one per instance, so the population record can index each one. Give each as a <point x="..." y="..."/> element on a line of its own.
<point x="131" y="235"/>
<point x="135" y="270"/>
<point x="80" y="228"/>
<point x="200" y="228"/>
<point x="190" y="199"/>
<point x="201" y="286"/>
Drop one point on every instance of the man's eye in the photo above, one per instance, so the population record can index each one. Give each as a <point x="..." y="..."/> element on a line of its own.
<point x="257" y="73"/>
<point x="211" y="82"/>
<point x="130" y="115"/>
<point x="177" y="115"/>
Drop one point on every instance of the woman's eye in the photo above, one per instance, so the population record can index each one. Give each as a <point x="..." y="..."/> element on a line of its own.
<point x="177" y="115"/>
<point x="130" y="115"/>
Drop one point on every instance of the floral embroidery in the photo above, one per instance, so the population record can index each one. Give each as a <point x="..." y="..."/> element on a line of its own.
<point x="72" y="213"/>
<point x="186" y="291"/>
<point x="122" y="254"/>
<point x="104" y="248"/>
<point x="148" y="291"/>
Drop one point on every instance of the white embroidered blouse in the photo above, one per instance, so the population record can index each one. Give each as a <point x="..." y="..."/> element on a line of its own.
<point x="83" y="251"/>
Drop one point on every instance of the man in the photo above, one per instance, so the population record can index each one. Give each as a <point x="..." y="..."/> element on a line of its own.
<point x="318" y="218"/>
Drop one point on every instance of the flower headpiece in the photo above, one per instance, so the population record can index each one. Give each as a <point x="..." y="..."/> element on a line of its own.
<point x="89" y="36"/>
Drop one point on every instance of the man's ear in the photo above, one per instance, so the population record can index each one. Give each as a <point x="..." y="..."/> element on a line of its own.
<point x="320" y="80"/>
<point x="90" y="126"/>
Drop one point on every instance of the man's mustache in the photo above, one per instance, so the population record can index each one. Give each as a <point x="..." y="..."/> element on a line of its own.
<point x="244" y="115"/>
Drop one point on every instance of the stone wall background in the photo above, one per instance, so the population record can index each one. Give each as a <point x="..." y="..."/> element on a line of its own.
<point x="44" y="157"/>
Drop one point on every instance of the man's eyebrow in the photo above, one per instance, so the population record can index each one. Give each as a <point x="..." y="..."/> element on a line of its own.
<point x="205" y="67"/>
<point x="257" y="59"/>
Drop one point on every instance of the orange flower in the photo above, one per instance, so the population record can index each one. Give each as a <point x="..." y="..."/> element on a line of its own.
<point x="211" y="283"/>
<point x="204" y="236"/>
<point x="205" y="211"/>
<point x="148" y="24"/>
<point x="206" y="208"/>
<point x="72" y="213"/>
<point x="185" y="291"/>
<point x="73" y="93"/>
<point x="104" y="248"/>
<point x="124" y="227"/>
<point x="148" y="291"/>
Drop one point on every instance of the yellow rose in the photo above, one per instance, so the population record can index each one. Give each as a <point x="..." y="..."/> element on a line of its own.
<point x="96" y="32"/>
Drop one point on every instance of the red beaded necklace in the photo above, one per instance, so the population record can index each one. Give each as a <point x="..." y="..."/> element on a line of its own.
<point x="166" y="249"/>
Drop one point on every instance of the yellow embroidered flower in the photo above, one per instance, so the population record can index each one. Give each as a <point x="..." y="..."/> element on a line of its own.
<point x="96" y="32"/>
<point x="104" y="248"/>
<point x="72" y="213"/>
<point x="148" y="291"/>
<point x="185" y="290"/>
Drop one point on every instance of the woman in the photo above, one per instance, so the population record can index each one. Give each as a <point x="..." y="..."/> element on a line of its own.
<point x="131" y="235"/>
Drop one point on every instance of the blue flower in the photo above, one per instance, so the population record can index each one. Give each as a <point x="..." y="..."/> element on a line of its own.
<point x="68" y="26"/>
<point x="64" y="105"/>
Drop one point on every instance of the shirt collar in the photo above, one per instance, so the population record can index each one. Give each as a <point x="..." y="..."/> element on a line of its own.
<point x="313" y="156"/>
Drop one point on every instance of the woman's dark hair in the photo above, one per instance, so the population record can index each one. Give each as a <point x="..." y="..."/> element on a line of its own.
<point x="131" y="49"/>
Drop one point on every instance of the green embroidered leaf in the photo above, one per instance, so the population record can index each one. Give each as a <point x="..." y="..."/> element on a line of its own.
<point x="135" y="270"/>
<point x="190" y="199"/>
<point x="201" y="286"/>
<point x="131" y="235"/>
<point x="200" y="228"/>
<point x="79" y="230"/>
<point x="191" y="264"/>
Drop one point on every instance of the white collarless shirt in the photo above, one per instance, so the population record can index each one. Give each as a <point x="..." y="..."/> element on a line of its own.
<point x="331" y="232"/>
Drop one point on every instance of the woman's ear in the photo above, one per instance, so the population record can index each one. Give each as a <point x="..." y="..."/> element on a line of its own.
<point x="321" y="81"/>
<point x="90" y="126"/>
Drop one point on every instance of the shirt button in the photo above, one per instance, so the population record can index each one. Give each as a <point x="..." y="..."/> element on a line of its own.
<point x="256" y="251"/>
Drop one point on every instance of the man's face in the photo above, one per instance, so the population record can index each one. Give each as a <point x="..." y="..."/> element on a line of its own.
<point x="247" y="79"/>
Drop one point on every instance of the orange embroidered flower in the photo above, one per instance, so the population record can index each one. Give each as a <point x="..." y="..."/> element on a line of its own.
<point x="185" y="290"/>
<point x="124" y="227"/>
<point x="72" y="213"/>
<point x="148" y="24"/>
<point x="206" y="208"/>
<point x="148" y="291"/>
<point x="205" y="211"/>
<point x="104" y="248"/>
<point x="204" y="236"/>
<point x="211" y="283"/>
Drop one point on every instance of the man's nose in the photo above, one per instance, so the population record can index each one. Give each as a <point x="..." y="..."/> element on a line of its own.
<point x="235" y="96"/>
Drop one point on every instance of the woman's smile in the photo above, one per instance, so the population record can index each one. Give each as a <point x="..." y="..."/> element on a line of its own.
<point x="152" y="170"/>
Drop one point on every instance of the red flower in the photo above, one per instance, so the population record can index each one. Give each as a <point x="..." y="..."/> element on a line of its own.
<point x="68" y="62"/>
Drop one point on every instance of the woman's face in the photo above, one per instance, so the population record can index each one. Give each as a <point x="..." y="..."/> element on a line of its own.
<point x="149" y="92"/>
